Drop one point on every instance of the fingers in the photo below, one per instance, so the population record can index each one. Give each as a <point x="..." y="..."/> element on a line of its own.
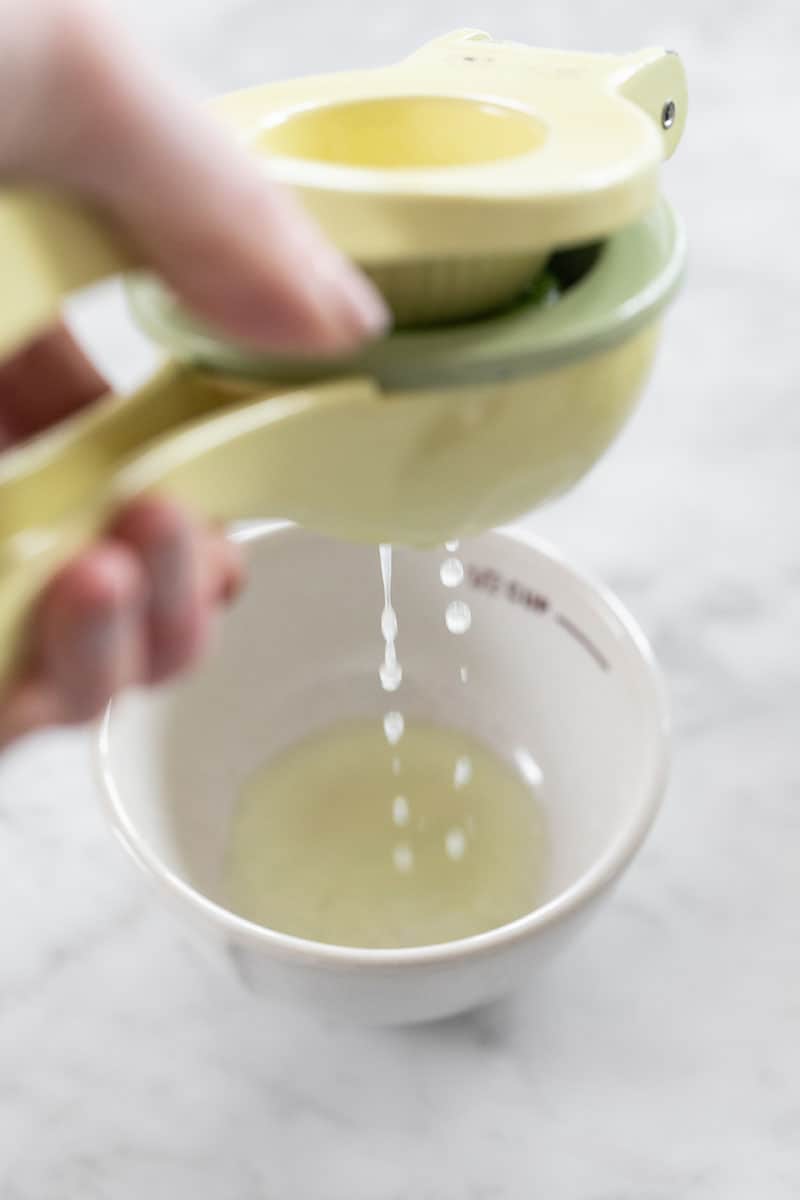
<point x="45" y="382"/>
<point x="190" y="572"/>
<point x="32" y="704"/>
<point x="91" y="640"/>
<point x="225" y="568"/>
<point x="239" y="250"/>
<point x="168" y="546"/>
<point x="87" y="644"/>
<point x="138" y="607"/>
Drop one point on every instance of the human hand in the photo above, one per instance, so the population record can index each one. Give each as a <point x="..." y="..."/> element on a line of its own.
<point x="83" y="111"/>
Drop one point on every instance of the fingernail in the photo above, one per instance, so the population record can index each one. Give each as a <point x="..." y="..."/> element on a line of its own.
<point x="349" y="295"/>
<point x="330" y="279"/>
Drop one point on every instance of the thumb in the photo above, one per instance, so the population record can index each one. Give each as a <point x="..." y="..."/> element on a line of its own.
<point x="239" y="250"/>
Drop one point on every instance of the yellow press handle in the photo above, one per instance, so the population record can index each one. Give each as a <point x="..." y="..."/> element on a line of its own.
<point x="50" y="245"/>
<point x="229" y="450"/>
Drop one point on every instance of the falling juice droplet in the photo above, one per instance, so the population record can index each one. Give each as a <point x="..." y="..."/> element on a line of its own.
<point x="463" y="674"/>
<point x="458" y="617"/>
<point x="463" y="771"/>
<point x="393" y="727"/>
<point x="395" y="765"/>
<point x="400" y="810"/>
<point x="403" y="857"/>
<point x="455" y="844"/>
<point x="451" y="547"/>
<point x="390" y="673"/>
<point x="451" y="572"/>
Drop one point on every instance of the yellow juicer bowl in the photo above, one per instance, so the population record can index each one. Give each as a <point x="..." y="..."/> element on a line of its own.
<point x="452" y="176"/>
<point x="435" y="432"/>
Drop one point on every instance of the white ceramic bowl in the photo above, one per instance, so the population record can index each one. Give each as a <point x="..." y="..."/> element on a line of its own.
<point x="556" y="667"/>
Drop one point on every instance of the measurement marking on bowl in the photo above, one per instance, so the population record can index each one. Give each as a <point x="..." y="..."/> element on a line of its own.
<point x="484" y="578"/>
<point x="528" y="597"/>
<point x="583" y="640"/>
<point x="487" y="579"/>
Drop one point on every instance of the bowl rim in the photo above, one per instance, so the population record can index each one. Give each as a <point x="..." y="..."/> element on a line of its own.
<point x="603" y="872"/>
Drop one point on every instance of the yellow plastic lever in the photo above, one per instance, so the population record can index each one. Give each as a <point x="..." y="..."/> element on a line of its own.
<point x="227" y="450"/>
<point x="50" y="245"/>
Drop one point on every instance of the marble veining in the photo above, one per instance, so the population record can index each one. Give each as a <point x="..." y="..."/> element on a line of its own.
<point x="661" y="1057"/>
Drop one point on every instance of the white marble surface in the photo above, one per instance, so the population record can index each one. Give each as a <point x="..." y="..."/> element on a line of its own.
<point x="661" y="1058"/>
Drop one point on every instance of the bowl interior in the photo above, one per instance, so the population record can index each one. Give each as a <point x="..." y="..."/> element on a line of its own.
<point x="557" y="682"/>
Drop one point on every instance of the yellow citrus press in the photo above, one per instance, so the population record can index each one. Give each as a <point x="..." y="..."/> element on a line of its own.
<point x="506" y="201"/>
